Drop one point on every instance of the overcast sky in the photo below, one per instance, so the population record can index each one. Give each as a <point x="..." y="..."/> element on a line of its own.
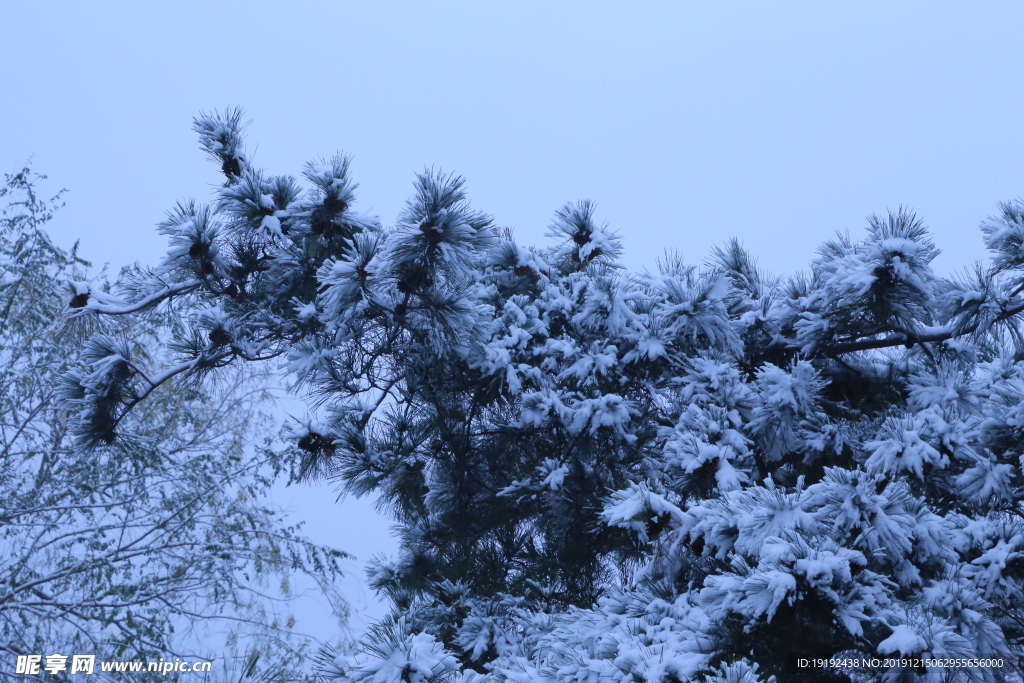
<point x="688" y="123"/>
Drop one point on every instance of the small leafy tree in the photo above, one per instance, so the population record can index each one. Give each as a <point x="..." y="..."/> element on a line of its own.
<point x="692" y="474"/>
<point x="133" y="549"/>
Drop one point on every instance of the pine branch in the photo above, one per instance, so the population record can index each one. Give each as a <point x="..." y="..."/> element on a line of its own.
<point x="905" y="339"/>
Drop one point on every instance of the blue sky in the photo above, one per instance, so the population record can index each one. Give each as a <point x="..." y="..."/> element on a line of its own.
<point x="687" y="122"/>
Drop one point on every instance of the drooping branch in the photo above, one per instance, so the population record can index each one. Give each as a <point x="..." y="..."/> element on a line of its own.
<point x="791" y="346"/>
<point x="111" y="307"/>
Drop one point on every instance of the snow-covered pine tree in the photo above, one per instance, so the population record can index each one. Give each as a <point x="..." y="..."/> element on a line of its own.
<point x="693" y="474"/>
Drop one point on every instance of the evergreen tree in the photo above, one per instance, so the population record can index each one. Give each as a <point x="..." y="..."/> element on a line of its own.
<point x="692" y="474"/>
<point x="150" y="545"/>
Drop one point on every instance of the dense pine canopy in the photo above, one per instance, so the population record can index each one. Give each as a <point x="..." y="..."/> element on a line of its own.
<point x="691" y="474"/>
